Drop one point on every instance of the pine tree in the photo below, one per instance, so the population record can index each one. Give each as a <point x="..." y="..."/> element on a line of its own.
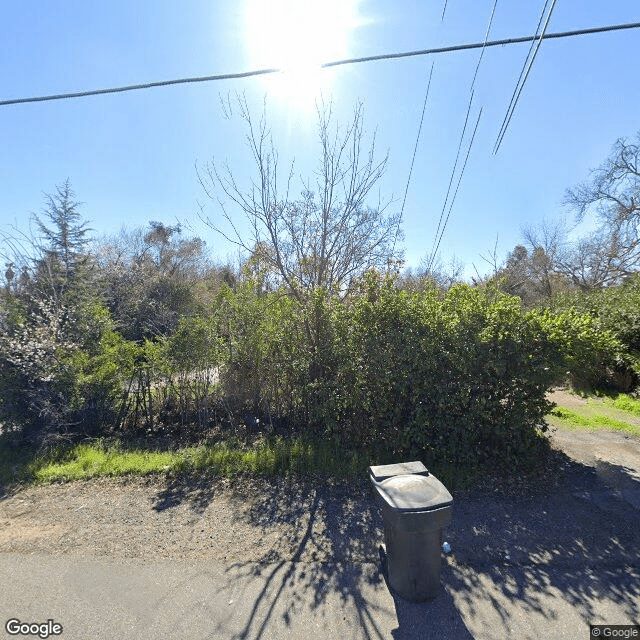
<point x="65" y="240"/>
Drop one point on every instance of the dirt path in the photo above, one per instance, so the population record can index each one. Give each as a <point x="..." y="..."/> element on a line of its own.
<point x="614" y="455"/>
<point x="253" y="519"/>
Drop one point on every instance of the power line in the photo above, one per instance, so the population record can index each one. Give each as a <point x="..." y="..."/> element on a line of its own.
<point x="326" y="65"/>
<point x="522" y="71"/>
<point x="453" y="174"/>
<point x="486" y="38"/>
<point x="479" y="45"/>
<point x="464" y="166"/>
<point x="520" y="86"/>
<point x="415" y="149"/>
<point x="136" y="87"/>
<point x="464" y="128"/>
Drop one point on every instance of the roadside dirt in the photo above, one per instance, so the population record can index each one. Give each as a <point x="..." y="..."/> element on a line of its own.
<point x="614" y="455"/>
<point x="566" y="399"/>
<point x="592" y="508"/>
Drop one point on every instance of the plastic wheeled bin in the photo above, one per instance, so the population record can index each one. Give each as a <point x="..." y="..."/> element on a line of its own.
<point x="416" y="507"/>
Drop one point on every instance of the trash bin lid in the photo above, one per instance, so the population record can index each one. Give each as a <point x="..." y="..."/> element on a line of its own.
<point x="413" y="492"/>
<point x="384" y="471"/>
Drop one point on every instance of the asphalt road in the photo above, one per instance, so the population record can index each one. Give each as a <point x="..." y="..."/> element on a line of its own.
<point x="101" y="598"/>
<point x="522" y="568"/>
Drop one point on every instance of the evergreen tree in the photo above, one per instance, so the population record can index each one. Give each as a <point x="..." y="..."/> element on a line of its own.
<point x="65" y="240"/>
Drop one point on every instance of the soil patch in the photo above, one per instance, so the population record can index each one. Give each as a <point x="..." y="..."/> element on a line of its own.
<point x="589" y="504"/>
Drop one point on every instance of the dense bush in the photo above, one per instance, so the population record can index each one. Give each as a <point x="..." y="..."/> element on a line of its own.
<point x="264" y="351"/>
<point x="460" y="378"/>
<point x="604" y="351"/>
<point x="62" y="367"/>
<point x="186" y="369"/>
<point x="96" y="374"/>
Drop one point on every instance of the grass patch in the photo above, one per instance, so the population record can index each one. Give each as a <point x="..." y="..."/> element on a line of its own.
<point x="90" y="460"/>
<point x="274" y="456"/>
<point x="624" y="403"/>
<point x="572" y="420"/>
<point x="271" y="457"/>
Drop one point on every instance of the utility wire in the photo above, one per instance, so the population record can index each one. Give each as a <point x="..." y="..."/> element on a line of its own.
<point x="413" y="159"/>
<point x="444" y="9"/>
<point x="453" y="174"/>
<point x="455" y="164"/>
<point x="522" y="71"/>
<point x="479" y="45"/>
<point x="518" y="89"/>
<point x="473" y="136"/>
<point x="486" y="39"/>
<point x="326" y="65"/>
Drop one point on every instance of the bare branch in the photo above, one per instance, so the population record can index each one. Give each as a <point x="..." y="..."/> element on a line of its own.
<point x="321" y="239"/>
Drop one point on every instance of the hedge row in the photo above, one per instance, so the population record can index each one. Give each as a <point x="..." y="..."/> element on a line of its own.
<point x="460" y="377"/>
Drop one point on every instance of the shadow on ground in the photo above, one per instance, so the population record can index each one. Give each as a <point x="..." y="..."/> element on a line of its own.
<point x="525" y="553"/>
<point x="195" y="488"/>
<point x="15" y="459"/>
<point x="579" y="544"/>
<point x="331" y="548"/>
<point x="416" y="621"/>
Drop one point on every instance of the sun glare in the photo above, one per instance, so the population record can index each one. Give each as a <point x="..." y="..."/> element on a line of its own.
<point x="297" y="36"/>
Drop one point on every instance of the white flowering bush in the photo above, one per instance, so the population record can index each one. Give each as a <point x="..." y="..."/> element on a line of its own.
<point x="63" y="369"/>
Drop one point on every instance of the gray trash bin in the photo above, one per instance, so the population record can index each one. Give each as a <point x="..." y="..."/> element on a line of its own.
<point x="416" y="507"/>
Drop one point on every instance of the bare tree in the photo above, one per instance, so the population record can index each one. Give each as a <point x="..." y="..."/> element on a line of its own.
<point x="443" y="275"/>
<point x="494" y="263"/>
<point x="604" y="258"/>
<point x="548" y="245"/>
<point x="329" y="235"/>
<point x="612" y="191"/>
<point x="532" y="270"/>
<point x="613" y="188"/>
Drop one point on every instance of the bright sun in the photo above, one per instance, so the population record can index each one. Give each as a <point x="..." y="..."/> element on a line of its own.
<point x="296" y="36"/>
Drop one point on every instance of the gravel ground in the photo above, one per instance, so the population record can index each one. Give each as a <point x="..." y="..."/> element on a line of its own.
<point x="267" y="520"/>
<point x="590" y="509"/>
<point x="249" y="519"/>
<point x="573" y="533"/>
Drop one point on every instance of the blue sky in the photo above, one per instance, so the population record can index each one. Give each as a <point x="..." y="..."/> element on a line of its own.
<point x="131" y="157"/>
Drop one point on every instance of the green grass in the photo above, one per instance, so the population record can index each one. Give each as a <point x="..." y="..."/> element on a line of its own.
<point x="572" y="420"/>
<point x="624" y="403"/>
<point x="270" y="457"/>
<point x="274" y="456"/>
<point x="89" y="460"/>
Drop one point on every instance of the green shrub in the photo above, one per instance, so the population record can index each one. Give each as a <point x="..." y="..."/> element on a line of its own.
<point x="614" y="360"/>
<point x="264" y="351"/>
<point x="62" y="370"/>
<point x="460" y="379"/>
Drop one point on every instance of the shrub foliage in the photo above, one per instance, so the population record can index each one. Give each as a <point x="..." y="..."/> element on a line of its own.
<point x="600" y="334"/>
<point x="458" y="377"/>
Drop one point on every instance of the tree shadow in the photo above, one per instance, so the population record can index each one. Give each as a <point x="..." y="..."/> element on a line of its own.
<point x="579" y="543"/>
<point x="195" y="488"/>
<point x="623" y="481"/>
<point x="330" y="551"/>
<point x="16" y="458"/>
<point x="515" y="554"/>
